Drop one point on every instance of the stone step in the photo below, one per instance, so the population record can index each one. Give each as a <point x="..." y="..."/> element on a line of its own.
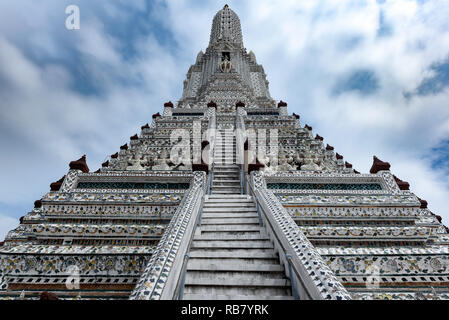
<point x="226" y="170"/>
<point x="229" y="244"/>
<point x="240" y="204"/>
<point x="229" y="215"/>
<point x="229" y="221"/>
<point x="221" y="187"/>
<point x="230" y="210"/>
<point x="213" y="203"/>
<point x="240" y="196"/>
<point x="194" y="296"/>
<point x="231" y="237"/>
<point x="236" y="291"/>
<point x="230" y="233"/>
<point x="235" y="228"/>
<point x="232" y="260"/>
<point x="226" y="166"/>
<point x="224" y="187"/>
<point x="245" y="277"/>
<point x="225" y="215"/>
<point x="235" y="282"/>
<point x="226" y="192"/>
<point x="234" y="254"/>
<point x="226" y="183"/>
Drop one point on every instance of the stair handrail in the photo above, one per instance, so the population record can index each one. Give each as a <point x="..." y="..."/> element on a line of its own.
<point x="212" y="130"/>
<point x="311" y="276"/>
<point x="164" y="272"/>
<point x="239" y="145"/>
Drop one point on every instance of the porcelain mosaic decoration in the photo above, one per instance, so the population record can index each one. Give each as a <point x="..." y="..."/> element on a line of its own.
<point x="129" y="227"/>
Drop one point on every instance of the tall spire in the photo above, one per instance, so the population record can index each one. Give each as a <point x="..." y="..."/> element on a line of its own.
<point x="226" y="27"/>
<point x="225" y="73"/>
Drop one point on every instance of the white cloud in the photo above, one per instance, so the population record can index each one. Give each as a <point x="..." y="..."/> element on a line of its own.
<point x="302" y="46"/>
<point x="6" y="224"/>
<point x="302" y="54"/>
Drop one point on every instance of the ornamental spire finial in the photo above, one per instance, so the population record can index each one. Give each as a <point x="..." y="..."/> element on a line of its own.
<point x="226" y="28"/>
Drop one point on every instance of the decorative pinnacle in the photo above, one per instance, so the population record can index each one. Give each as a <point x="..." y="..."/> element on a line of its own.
<point x="379" y="165"/>
<point x="282" y="104"/>
<point x="168" y="104"/>
<point x="403" y="185"/>
<point x="212" y="104"/>
<point x="79" y="164"/>
<point x="225" y="6"/>
<point x="38" y="203"/>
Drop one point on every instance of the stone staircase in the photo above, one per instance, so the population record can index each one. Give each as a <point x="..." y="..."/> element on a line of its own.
<point x="231" y="257"/>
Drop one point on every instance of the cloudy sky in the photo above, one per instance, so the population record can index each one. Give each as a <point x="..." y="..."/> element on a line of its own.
<point x="371" y="77"/>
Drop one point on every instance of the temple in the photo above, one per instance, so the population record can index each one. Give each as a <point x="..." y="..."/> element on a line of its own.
<point x="225" y="195"/>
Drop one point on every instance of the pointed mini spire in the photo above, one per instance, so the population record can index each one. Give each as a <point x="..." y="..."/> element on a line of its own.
<point x="379" y="165"/>
<point x="156" y="115"/>
<point x="79" y="164"/>
<point x="124" y="147"/>
<point x="423" y="203"/>
<point x="146" y="126"/>
<point x="308" y="127"/>
<point x="329" y="148"/>
<point x="105" y="164"/>
<point x="282" y="104"/>
<point x="114" y="156"/>
<point x="348" y="165"/>
<point x="168" y="104"/>
<point x="295" y="115"/>
<point x="55" y="186"/>
<point x="212" y="104"/>
<point x="318" y="137"/>
<point x="403" y="185"/>
<point x="38" y="204"/>
<point x="338" y="156"/>
<point x="134" y="137"/>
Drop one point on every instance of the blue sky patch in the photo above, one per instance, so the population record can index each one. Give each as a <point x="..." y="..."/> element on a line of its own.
<point x="440" y="156"/>
<point x="436" y="83"/>
<point x="385" y="29"/>
<point x="362" y="81"/>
